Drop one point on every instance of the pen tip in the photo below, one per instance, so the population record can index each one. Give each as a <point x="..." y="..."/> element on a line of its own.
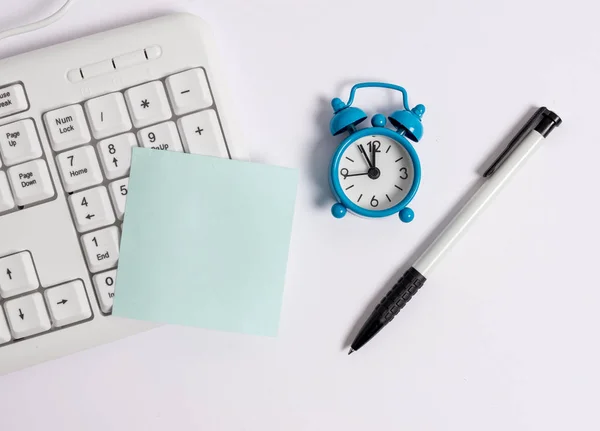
<point x="350" y="352"/>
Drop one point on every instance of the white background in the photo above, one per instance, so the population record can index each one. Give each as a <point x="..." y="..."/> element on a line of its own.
<point x="505" y="333"/>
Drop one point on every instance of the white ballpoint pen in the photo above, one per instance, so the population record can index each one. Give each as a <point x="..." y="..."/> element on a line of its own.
<point x="516" y="153"/>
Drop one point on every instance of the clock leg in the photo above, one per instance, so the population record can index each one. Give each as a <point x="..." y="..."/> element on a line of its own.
<point x="406" y="215"/>
<point x="338" y="210"/>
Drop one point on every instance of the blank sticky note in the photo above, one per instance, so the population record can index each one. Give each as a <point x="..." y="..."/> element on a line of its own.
<point x="205" y="242"/>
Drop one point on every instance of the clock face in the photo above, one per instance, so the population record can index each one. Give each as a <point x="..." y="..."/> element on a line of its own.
<point x="376" y="172"/>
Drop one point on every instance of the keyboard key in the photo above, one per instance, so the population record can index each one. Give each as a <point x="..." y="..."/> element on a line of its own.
<point x="115" y="155"/>
<point x="6" y="199"/>
<point x="201" y="134"/>
<point x="12" y="100"/>
<point x="27" y="315"/>
<point x="79" y="168"/>
<point x="67" y="127"/>
<point x="19" y="142"/>
<point x="92" y="209"/>
<point x="162" y="136"/>
<point x="118" y="193"/>
<point x="108" y="115"/>
<point x="148" y="104"/>
<point x="189" y="91"/>
<point x="5" y="336"/>
<point x="105" y="289"/>
<point x="31" y="182"/>
<point x="68" y="303"/>
<point x="17" y="274"/>
<point x="101" y="248"/>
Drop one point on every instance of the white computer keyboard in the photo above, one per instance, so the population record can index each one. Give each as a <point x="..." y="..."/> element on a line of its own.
<point x="69" y="116"/>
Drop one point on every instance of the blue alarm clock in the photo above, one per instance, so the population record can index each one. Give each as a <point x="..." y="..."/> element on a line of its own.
<point x="375" y="171"/>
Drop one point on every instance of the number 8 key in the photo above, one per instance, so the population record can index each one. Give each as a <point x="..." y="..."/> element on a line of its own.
<point x="115" y="155"/>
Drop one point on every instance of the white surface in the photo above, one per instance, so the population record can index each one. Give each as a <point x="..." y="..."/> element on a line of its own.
<point x="36" y="25"/>
<point x="503" y="334"/>
<point x="490" y="188"/>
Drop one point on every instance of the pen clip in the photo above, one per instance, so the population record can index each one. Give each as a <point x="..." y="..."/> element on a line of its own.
<point x="516" y="140"/>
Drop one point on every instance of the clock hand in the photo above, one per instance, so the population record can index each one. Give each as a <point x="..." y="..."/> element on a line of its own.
<point x="364" y="153"/>
<point x="374" y="151"/>
<point x="356" y="175"/>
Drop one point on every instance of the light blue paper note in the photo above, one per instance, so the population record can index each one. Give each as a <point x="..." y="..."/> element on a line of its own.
<point x="205" y="242"/>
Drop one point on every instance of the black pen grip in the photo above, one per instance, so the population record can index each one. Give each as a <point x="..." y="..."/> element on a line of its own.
<point x="390" y="305"/>
<point x="399" y="295"/>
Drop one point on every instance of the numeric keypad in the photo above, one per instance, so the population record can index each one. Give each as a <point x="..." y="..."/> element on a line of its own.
<point x="95" y="172"/>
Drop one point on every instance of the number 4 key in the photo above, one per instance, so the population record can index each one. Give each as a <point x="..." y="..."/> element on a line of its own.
<point x="92" y="209"/>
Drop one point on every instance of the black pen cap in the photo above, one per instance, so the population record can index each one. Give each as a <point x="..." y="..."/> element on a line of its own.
<point x="547" y="123"/>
